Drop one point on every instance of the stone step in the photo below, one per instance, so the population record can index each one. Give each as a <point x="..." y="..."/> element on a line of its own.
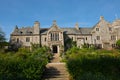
<point x="56" y="71"/>
<point x="56" y="68"/>
<point x="57" y="79"/>
<point x="55" y="65"/>
<point x="56" y="76"/>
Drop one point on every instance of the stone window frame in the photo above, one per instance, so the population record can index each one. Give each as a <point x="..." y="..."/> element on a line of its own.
<point x="113" y="45"/>
<point x="97" y="37"/>
<point x="17" y="40"/>
<point x="45" y="39"/>
<point x="27" y="39"/>
<point x="54" y="36"/>
<point x="86" y="38"/>
<point x="21" y="32"/>
<point x="110" y="29"/>
<point x="113" y="37"/>
<point x="71" y="38"/>
<point x="97" y="29"/>
<point x="30" y="32"/>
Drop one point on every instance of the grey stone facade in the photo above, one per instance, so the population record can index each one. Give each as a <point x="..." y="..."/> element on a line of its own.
<point x="103" y="34"/>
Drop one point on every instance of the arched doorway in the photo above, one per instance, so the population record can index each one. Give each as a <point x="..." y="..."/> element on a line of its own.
<point x="55" y="49"/>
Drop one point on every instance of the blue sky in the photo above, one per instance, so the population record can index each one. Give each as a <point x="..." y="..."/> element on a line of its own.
<point x="65" y="12"/>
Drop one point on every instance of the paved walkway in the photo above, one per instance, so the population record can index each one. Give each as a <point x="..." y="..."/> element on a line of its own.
<point x="56" y="58"/>
<point x="56" y="70"/>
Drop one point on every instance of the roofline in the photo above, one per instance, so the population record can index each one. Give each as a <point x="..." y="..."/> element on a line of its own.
<point x="24" y="34"/>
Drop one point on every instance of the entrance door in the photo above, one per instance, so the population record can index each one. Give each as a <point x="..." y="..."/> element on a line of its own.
<point x="55" y="49"/>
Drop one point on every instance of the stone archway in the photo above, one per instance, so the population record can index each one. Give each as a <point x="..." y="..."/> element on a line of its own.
<point x="56" y="55"/>
<point x="55" y="49"/>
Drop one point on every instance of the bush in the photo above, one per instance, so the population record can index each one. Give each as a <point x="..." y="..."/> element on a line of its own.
<point x="23" y="65"/>
<point x="91" y="65"/>
<point x="118" y="44"/>
<point x="105" y="65"/>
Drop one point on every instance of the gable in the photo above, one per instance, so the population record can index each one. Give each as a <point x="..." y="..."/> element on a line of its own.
<point x="102" y="24"/>
<point x="54" y="27"/>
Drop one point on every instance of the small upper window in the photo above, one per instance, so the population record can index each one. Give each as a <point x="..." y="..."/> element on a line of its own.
<point x="97" y="29"/>
<point x="21" y="32"/>
<point x="30" y="32"/>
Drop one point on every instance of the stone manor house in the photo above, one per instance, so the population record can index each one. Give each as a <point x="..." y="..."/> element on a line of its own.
<point x="103" y="34"/>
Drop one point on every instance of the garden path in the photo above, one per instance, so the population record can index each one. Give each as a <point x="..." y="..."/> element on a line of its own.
<point x="56" y="58"/>
<point x="56" y="70"/>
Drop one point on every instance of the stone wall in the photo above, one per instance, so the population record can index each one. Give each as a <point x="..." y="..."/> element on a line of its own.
<point x="104" y="33"/>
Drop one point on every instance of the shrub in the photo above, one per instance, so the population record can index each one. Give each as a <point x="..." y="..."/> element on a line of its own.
<point x="88" y="64"/>
<point x="23" y="65"/>
<point x="118" y="44"/>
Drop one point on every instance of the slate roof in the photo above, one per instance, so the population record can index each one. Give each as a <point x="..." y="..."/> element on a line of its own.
<point x="70" y="31"/>
<point x="86" y="30"/>
<point x="65" y="30"/>
<point x="29" y="30"/>
<point x="23" y="31"/>
<point x="44" y="30"/>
